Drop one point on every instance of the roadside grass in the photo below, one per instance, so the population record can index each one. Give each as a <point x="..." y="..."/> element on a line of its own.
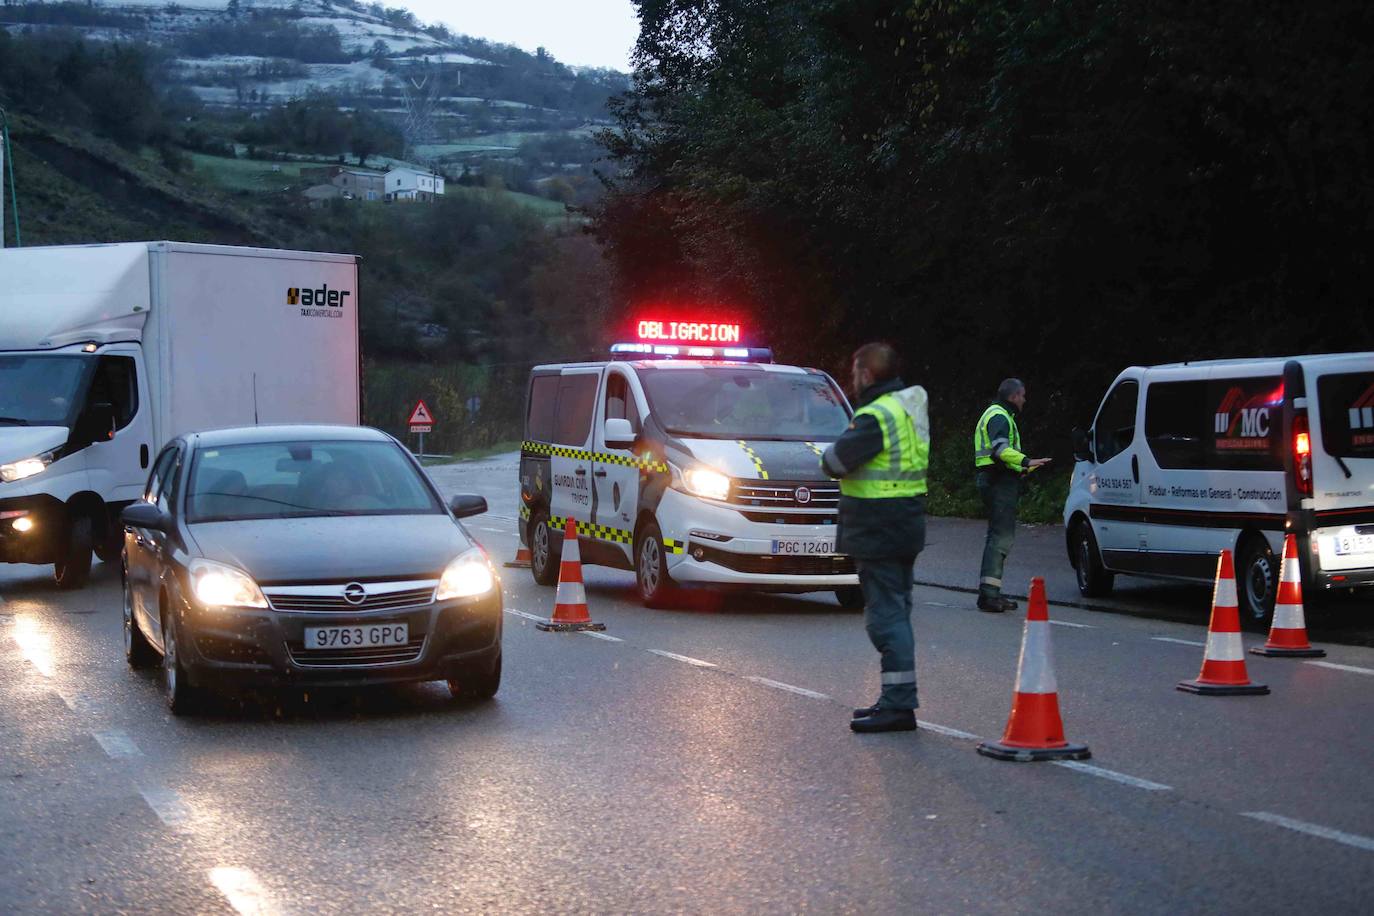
<point x="249" y="174"/>
<point x="474" y="454"/>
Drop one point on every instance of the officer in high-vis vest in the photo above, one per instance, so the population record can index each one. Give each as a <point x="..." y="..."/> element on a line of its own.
<point x="881" y="464"/>
<point x="1000" y="466"/>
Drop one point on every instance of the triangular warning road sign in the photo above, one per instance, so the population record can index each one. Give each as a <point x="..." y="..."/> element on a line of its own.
<point x="420" y="416"/>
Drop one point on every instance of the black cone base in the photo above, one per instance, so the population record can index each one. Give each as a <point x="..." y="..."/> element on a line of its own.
<point x="550" y="626"/>
<point x="1288" y="653"/>
<point x="999" y="751"/>
<point x="1223" y="690"/>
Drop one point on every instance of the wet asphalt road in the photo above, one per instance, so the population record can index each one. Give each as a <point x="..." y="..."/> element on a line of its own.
<point x="697" y="760"/>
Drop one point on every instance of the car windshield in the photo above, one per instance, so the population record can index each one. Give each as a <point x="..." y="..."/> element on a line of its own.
<point x="303" y="480"/>
<point x="1347" y="413"/>
<point x="40" y="390"/>
<point x="744" y="403"/>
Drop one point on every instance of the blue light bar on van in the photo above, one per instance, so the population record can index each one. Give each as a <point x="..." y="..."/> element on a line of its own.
<point x="678" y="351"/>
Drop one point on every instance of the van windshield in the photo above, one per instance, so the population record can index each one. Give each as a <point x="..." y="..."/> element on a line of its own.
<point x="1347" y="414"/>
<point x="40" y="390"/>
<point x="740" y="403"/>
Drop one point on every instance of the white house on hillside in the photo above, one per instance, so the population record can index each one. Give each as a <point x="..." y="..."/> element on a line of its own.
<point x="413" y="184"/>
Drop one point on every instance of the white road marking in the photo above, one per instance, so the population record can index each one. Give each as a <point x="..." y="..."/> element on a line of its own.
<point x="696" y="662"/>
<point x="243" y="890"/>
<point x="1338" y="667"/>
<point x="938" y="604"/>
<point x="1180" y="642"/>
<point x="596" y="635"/>
<point x="1076" y="626"/>
<point x="1317" y="830"/>
<point x="779" y="685"/>
<point x="946" y="730"/>
<point x="1113" y="775"/>
<point x="116" y="744"/>
<point x="527" y="616"/>
<point x="492" y="530"/>
<point x="35" y="643"/>
<point x="167" y="805"/>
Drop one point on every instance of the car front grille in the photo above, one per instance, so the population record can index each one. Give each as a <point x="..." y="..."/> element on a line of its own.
<point x="782" y="494"/>
<point x="792" y="518"/>
<point x="767" y="564"/>
<point x="329" y="599"/>
<point x="355" y="657"/>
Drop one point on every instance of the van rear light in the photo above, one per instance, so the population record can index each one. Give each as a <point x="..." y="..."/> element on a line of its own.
<point x="1302" y="455"/>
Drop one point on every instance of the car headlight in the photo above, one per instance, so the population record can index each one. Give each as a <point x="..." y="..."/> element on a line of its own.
<point x="700" y="480"/>
<point x="217" y="585"/>
<point x="466" y="577"/>
<point x="26" y="467"/>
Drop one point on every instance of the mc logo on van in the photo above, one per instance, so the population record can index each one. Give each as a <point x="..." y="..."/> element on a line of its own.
<point x="1243" y="421"/>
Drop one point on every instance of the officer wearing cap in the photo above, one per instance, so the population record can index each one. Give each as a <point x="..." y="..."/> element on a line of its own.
<point x="881" y="463"/>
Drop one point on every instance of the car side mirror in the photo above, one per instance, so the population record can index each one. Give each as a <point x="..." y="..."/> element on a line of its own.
<point x="147" y="516"/>
<point x="1082" y="445"/>
<point x="465" y="505"/>
<point x="619" y="434"/>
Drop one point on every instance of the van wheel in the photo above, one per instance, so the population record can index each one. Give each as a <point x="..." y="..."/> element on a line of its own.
<point x="651" y="567"/>
<point x="110" y="547"/>
<point x="1094" y="581"/>
<point x="1257" y="580"/>
<point x="850" y="597"/>
<point x="543" y="552"/>
<point x="73" y="567"/>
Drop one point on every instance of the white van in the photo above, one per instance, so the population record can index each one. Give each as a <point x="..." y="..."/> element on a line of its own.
<point x="1186" y="459"/>
<point x="695" y="471"/>
<point x="109" y="351"/>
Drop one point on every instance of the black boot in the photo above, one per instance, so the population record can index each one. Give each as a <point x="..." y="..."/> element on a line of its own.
<point x="866" y="711"/>
<point x="995" y="605"/>
<point x="886" y="720"/>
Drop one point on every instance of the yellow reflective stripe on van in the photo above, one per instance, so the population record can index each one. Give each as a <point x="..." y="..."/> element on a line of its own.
<point x="753" y="456"/>
<point x="524" y="512"/>
<point x="578" y="454"/>
<point x="608" y="534"/>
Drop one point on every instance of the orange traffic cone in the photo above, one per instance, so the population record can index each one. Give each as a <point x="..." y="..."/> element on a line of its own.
<point x="1034" y="730"/>
<point x="522" y="558"/>
<point x="1288" y="635"/>
<point x="570" y="604"/>
<point x="1223" y="663"/>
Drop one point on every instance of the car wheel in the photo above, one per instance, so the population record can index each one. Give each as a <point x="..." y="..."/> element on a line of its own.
<point x="544" y="555"/>
<point x="850" y="597"/>
<point x="480" y="685"/>
<point x="73" y="568"/>
<point x="176" y="689"/>
<point x="651" y="567"/>
<point x="1257" y="580"/>
<point x="1094" y="581"/>
<point x="137" y="650"/>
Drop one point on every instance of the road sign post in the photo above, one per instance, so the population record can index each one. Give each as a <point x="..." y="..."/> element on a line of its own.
<point x="421" y="421"/>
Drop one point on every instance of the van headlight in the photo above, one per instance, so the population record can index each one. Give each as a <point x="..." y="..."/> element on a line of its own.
<point x="705" y="482"/>
<point x="466" y="577"/>
<point x="217" y="585"/>
<point x="26" y="467"/>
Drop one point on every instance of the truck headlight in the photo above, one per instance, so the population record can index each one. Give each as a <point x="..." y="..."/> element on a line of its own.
<point x="466" y="577"/>
<point x="217" y="585"/>
<point x="709" y="483"/>
<point x="26" y="467"/>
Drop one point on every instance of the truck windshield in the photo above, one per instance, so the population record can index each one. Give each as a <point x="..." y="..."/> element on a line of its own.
<point x="40" y="390"/>
<point x="743" y="403"/>
<point x="1347" y="406"/>
<point x="304" y="480"/>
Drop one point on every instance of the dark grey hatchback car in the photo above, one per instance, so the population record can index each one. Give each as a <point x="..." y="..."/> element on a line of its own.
<point x="297" y="556"/>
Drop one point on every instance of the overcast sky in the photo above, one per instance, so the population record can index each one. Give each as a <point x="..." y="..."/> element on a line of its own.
<point x="594" y="33"/>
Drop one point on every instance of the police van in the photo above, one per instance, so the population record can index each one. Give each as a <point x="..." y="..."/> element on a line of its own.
<point x="1186" y="459"/>
<point x="689" y="459"/>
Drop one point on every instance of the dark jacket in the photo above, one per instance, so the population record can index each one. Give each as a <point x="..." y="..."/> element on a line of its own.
<point x="873" y="529"/>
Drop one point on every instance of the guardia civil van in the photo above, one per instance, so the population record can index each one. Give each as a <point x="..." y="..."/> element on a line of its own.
<point x="1186" y="459"/>
<point x="689" y="459"/>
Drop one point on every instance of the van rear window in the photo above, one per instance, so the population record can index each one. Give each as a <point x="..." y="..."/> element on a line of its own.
<point x="1346" y="401"/>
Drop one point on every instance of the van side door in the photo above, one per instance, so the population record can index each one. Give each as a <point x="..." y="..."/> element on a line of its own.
<point x="1115" y="482"/>
<point x="118" y="457"/>
<point x="617" y="471"/>
<point x="571" y="462"/>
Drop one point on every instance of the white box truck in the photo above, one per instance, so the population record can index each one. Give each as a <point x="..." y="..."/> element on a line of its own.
<point x="108" y="351"/>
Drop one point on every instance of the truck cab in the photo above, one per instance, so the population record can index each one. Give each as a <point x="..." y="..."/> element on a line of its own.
<point x="693" y="466"/>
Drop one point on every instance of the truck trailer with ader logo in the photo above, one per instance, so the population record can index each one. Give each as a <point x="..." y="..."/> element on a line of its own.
<point x="691" y="462"/>
<point x="1187" y="459"/>
<point x="107" y="352"/>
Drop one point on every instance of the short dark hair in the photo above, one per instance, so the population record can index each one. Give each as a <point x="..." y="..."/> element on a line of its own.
<point x="1009" y="387"/>
<point x="881" y="359"/>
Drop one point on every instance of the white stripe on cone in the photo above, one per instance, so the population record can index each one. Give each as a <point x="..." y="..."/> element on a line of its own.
<point x="571" y="552"/>
<point x="1225" y="647"/>
<point x="571" y="593"/>
<point x="1225" y="594"/>
<point x="1288" y="617"/>
<point x="1035" y="671"/>
<point x="1291" y="571"/>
